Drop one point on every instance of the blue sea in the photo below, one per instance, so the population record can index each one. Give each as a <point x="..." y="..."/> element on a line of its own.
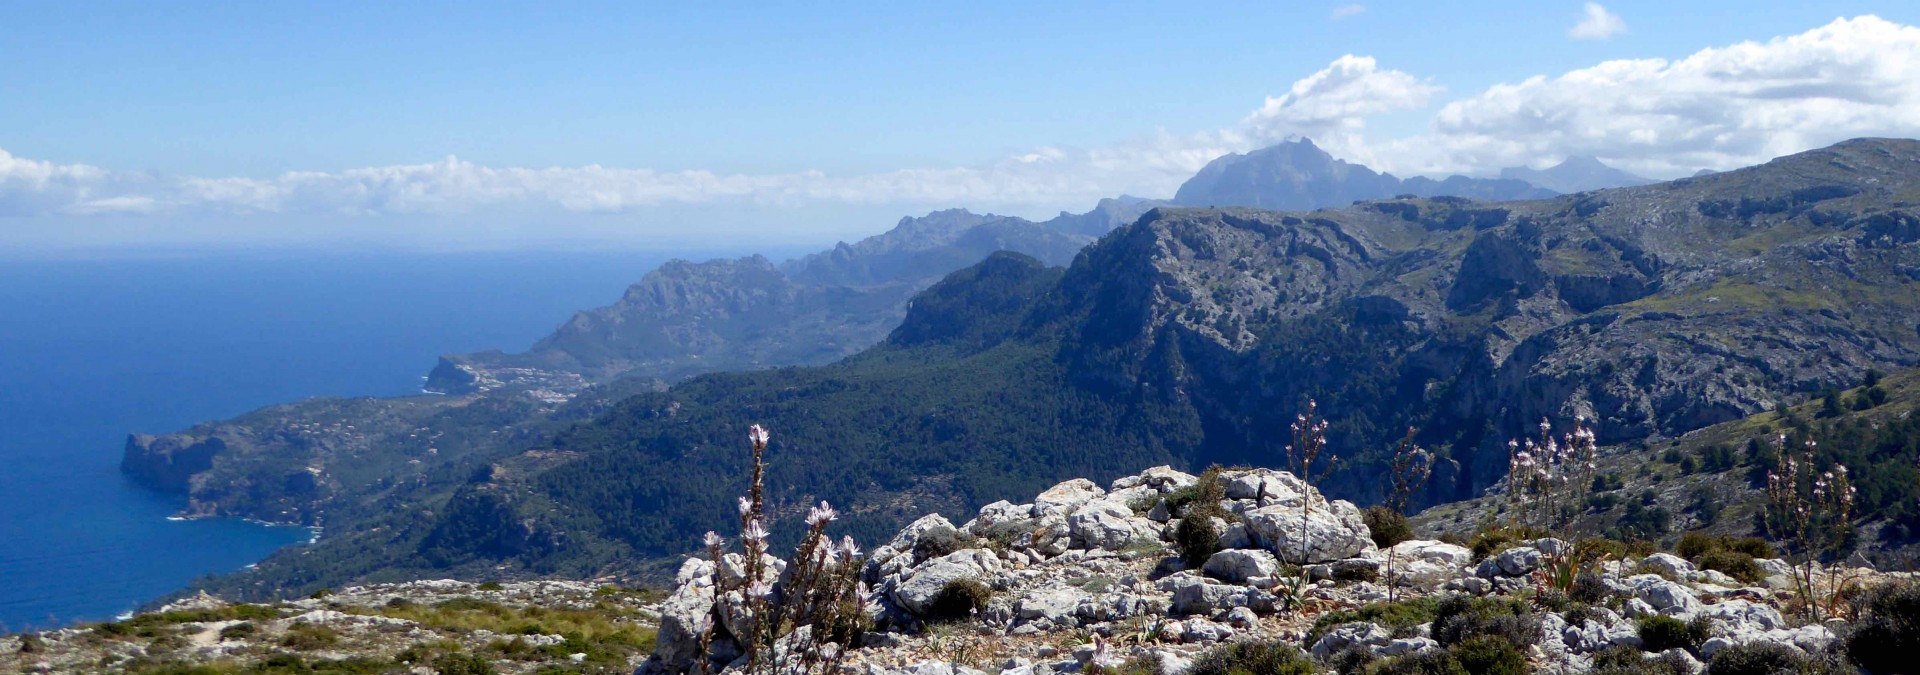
<point x="91" y="350"/>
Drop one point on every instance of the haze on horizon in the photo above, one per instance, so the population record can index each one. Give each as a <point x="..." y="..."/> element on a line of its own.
<point x="512" y="127"/>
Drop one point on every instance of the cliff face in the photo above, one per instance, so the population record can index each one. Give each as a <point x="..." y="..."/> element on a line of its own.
<point x="1657" y="309"/>
<point x="688" y="318"/>
<point x="168" y="463"/>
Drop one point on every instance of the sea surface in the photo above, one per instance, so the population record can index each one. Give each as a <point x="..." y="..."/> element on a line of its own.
<point x="91" y="350"/>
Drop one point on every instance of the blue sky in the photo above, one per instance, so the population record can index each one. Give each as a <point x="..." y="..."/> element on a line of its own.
<point x="131" y="124"/>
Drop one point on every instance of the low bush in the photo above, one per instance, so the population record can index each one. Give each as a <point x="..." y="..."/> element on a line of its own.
<point x="1661" y="633"/>
<point x="1459" y="618"/>
<point x="1764" y="658"/>
<point x="1196" y="539"/>
<point x="1622" y="660"/>
<point x="309" y="637"/>
<point x="1430" y="662"/>
<point x="1732" y="563"/>
<point x="1734" y="557"/>
<point x="1589" y="588"/>
<point x="1888" y="638"/>
<point x="1253" y="657"/>
<point x="942" y="541"/>
<point x="1388" y="526"/>
<point x="1197" y="505"/>
<point x="239" y="631"/>
<point x="960" y="599"/>
<point x="1400" y="617"/>
<point x="462" y="664"/>
<point x="1490" y="655"/>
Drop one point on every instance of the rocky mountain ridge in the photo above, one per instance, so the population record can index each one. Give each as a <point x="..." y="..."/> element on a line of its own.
<point x="1188" y="337"/>
<point x="289" y="463"/>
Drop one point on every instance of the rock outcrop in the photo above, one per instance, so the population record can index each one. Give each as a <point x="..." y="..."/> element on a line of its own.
<point x="1044" y="587"/>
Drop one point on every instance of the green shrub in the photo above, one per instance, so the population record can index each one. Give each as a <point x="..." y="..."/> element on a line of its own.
<point x="941" y="541"/>
<point x="309" y="637"/>
<point x="1589" y="588"/>
<point x="462" y="664"/>
<point x="1888" y="638"/>
<point x="31" y="643"/>
<point x="960" y="599"/>
<point x="1140" y="665"/>
<point x="1695" y="544"/>
<point x="1661" y="633"/>
<point x="1754" y="547"/>
<point x="1430" y="662"/>
<point x="1622" y="660"/>
<point x="490" y="586"/>
<point x="1398" y="617"/>
<point x="1388" y="526"/>
<point x="1459" y="618"/>
<point x="1490" y="540"/>
<point x="1490" y="655"/>
<point x="1195" y="539"/>
<point x="1732" y="563"/>
<point x="239" y="631"/>
<point x="1197" y="505"/>
<point x="1761" y="658"/>
<point x="1252" y="657"/>
<point x="1727" y="555"/>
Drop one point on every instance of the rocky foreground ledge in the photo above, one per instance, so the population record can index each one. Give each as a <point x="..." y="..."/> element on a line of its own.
<point x="1081" y="580"/>
<point x="438" y="626"/>
<point x="1088" y="580"/>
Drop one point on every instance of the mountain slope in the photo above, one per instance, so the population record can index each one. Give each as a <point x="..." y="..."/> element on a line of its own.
<point x="1575" y="174"/>
<point x="1298" y="176"/>
<point x="1193" y="336"/>
<point x="688" y="318"/>
<point x="1714" y="480"/>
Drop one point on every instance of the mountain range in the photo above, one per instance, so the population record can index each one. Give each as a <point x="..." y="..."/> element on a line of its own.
<point x="1186" y="336"/>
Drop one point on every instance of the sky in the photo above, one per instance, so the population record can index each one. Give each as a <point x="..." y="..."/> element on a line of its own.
<point x="203" y="126"/>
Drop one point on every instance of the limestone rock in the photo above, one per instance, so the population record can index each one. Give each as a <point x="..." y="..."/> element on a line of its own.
<point x="1239" y="565"/>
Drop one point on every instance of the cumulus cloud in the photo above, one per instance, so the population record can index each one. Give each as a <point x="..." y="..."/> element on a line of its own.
<point x="1718" y="108"/>
<point x="1596" y="23"/>
<point x="1336" y="101"/>
<point x="1347" y="10"/>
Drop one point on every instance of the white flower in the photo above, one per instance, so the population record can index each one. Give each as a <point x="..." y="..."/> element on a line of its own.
<point x="756" y="531"/>
<point x="820" y="515"/>
<point x="830" y="650"/>
<point x="757" y="435"/>
<point x="746" y="506"/>
<point x="848" y="549"/>
<point x="761" y="589"/>
<point x="713" y="539"/>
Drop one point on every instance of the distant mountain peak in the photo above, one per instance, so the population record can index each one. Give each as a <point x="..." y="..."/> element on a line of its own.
<point x="1296" y="175"/>
<point x="1576" y="173"/>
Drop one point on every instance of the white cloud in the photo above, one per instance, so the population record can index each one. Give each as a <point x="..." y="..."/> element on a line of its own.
<point x="1718" y="108"/>
<point x="1596" y="23"/>
<point x="1335" y="102"/>
<point x="1033" y="182"/>
<point x="1347" y="10"/>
